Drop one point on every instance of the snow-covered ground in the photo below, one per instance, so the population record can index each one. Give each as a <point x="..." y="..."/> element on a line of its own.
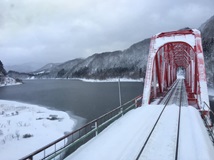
<point x="8" y="81"/>
<point x="25" y="128"/>
<point x="124" y="139"/>
<point x="112" y="80"/>
<point x="93" y="80"/>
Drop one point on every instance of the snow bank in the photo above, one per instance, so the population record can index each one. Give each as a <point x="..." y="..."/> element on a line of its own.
<point x="91" y="80"/>
<point x="112" y="80"/>
<point x="121" y="140"/>
<point x="25" y="128"/>
<point x="12" y="84"/>
<point x="194" y="139"/>
<point x="124" y="138"/>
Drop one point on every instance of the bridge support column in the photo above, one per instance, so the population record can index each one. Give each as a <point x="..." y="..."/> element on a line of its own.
<point x="163" y="76"/>
<point x="155" y="80"/>
<point x="169" y="78"/>
<point x="158" y="69"/>
<point x="192" y="75"/>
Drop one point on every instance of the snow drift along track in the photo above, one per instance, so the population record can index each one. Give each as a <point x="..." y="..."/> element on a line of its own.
<point x="173" y="96"/>
<point x="125" y="137"/>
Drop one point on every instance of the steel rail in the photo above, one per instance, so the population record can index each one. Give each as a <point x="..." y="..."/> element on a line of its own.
<point x="169" y="89"/>
<point x="179" y="119"/>
<point x="167" y="101"/>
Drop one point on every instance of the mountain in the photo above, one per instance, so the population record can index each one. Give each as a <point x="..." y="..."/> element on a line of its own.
<point x="26" y="67"/>
<point x="2" y="70"/>
<point x="207" y="32"/>
<point x="129" y="63"/>
<point x="6" y="80"/>
<point x="207" y="28"/>
<point x="20" y="75"/>
<point x="48" y="66"/>
<point x="57" y="71"/>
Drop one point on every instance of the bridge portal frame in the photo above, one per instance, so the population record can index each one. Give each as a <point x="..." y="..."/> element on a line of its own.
<point x="168" y="51"/>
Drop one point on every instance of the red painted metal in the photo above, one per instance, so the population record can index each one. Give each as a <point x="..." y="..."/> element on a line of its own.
<point x="173" y="33"/>
<point x="168" y="52"/>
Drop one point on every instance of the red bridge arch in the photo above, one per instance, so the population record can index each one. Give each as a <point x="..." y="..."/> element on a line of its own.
<point x="170" y="51"/>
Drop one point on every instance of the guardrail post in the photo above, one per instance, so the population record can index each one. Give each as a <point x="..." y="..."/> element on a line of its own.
<point x="44" y="153"/>
<point x="120" y="100"/>
<point x="135" y="101"/>
<point x="54" y="151"/>
<point x="75" y="137"/>
<point x="121" y="111"/>
<point x="96" y="127"/>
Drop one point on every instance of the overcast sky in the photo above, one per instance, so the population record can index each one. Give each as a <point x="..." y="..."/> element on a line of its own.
<point x="43" y="31"/>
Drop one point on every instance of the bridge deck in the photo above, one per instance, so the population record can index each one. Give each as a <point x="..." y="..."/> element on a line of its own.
<point x="125" y="138"/>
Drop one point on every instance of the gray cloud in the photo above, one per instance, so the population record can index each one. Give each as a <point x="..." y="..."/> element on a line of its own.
<point x="55" y="31"/>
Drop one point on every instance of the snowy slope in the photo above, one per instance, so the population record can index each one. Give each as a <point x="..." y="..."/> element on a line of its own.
<point x="8" y="81"/>
<point x="25" y="128"/>
<point x="128" y="63"/>
<point x="26" y="67"/>
<point x="124" y="139"/>
<point x="48" y="66"/>
<point x="207" y="32"/>
<point x="207" y="28"/>
<point x="4" y="79"/>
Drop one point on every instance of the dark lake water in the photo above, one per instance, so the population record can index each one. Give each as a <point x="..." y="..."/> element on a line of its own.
<point x="84" y="99"/>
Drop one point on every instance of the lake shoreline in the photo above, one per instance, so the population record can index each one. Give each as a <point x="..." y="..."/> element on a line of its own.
<point x="22" y="120"/>
<point x="91" y="80"/>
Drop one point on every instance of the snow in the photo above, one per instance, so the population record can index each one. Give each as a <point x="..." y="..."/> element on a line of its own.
<point x="204" y="94"/>
<point x="190" y="39"/>
<point x="8" y="81"/>
<point x="168" y="129"/>
<point x="112" y="80"/>
<point x="124" y="138"/>
<point x="42" y="125"/>
<point x="92" y="80"/>
<point x="11" y="84"/>
<point x="120" y="139"/>
<point x="32" y="78"/>
<point x="40" y="72"/>
<point x="193" y="137"/>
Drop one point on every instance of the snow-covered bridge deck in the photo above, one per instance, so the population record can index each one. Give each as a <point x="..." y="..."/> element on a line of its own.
<point x="124" y="139"/>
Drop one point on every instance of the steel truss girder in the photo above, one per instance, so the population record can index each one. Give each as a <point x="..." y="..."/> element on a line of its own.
<point x="171" y="53"/>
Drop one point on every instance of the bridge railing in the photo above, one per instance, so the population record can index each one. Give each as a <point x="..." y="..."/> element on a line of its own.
<point x="209" y="123"/>
<point x="70" y="142"/>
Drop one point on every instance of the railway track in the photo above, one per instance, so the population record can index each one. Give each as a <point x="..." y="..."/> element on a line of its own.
<point x="174" y="96"/>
